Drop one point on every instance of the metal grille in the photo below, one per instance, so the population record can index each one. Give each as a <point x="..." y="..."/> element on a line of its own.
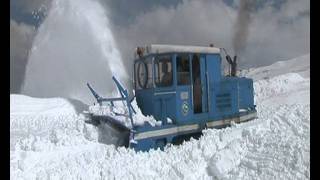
<point x="223" y="101"/>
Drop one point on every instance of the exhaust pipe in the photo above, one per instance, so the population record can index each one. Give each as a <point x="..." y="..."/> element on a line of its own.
<point x="233" y="64"/>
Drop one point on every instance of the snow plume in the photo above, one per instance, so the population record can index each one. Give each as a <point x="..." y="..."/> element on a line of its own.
<point x="73" y="46"/>
<point x="21" y="36"/>
<point x="242" y="25"/>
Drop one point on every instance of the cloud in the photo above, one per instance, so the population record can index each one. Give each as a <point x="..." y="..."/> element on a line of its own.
<point x="274" y="33"/>
<point x="279" y="34"/>
<point x="21" y="37"/>
<point x="123" y="12"/>
<point x="191" y="22"/>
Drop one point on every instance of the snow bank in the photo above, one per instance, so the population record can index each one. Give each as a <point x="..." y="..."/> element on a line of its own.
<point x="274" y="146"/>
<point x="25" y="105"/>
<point x="263" y="149"/>
<point x="38" y="124"/>
<point x="279" y="85"/>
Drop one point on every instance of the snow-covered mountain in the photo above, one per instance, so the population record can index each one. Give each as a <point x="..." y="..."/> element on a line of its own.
<point x="49" y="140"/>
<point x="300" y="65"/>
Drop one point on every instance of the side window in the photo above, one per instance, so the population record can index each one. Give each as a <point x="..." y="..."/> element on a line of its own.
<point x="143" y="73"/>
<point x="163" y="71"/>
<point x="183" y="69"/>
<point x="150" y="74"/>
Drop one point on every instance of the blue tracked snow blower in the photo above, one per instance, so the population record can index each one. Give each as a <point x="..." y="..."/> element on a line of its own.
<point x="184" y="88"/>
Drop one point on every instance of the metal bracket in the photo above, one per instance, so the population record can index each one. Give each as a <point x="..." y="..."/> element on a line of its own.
<point x="124" y="97"/>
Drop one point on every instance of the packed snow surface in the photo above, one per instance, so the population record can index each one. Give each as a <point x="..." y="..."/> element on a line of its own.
<point x="49" y="140"/>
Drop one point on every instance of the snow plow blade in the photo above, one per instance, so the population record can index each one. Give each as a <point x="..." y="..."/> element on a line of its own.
<point x="111" y="131"/>
<point x="96" y="120"/>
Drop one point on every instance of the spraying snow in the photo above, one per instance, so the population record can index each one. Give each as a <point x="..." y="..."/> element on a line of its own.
<point x="74" y="45"/>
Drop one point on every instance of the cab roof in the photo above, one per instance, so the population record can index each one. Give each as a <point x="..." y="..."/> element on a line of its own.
<point x="164" y="48"/>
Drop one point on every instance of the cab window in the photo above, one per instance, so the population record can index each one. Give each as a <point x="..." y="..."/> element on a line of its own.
<point x="163" y="71"/>
<point x="143" y="73"/>
<point x="183" y="69"/>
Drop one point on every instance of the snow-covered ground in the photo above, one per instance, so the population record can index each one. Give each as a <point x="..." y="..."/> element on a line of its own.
<point x="49" y="140"/>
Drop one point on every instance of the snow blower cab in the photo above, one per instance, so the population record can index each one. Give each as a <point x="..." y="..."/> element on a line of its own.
<point x="185" y="89"/>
